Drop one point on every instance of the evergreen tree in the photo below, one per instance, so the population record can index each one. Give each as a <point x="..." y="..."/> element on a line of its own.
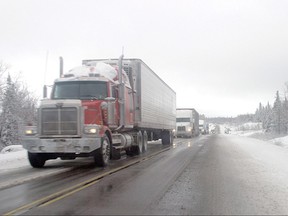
<point x="18" y="108"/>
<point x="267" y="117"/>
<point x="285" y="115"/>
<point x="277" y="113"/>
<point x="9" y="119"/>
<point x="258" y="117"/>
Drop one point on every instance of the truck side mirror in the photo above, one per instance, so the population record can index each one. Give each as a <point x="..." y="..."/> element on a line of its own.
<point x="45" y="90"/>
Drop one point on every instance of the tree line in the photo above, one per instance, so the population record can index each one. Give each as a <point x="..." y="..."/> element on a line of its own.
<point x="17" y="107"/>
<point x="274" y="117"/>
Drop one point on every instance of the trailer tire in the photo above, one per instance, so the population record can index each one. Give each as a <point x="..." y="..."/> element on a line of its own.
<point x="102" y="155"/>
<point x="36" y="160"/>
<point x="145" y="141"/>
<point x="166" y="137"/>
<point x="150" y="136"/>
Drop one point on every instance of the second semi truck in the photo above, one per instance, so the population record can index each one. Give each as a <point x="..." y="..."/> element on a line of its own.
<point x="187" y="122"/>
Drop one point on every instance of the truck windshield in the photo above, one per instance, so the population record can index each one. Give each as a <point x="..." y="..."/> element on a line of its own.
<point x="80" y="90"/>
<point x="183" y="120"/>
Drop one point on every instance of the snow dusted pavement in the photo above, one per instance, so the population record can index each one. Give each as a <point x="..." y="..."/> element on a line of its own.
<point x="231" y="175"/>
<point x="221" y="174"/>
<point x="271" y="173"/>
<point x="15" y="168"/>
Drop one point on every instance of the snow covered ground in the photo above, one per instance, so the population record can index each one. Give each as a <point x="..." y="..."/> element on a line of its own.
<point x="251" y="130"/>
<point x="13" y="157"/>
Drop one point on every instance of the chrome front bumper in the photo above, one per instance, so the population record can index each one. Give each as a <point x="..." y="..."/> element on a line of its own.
<point x="61" y="145"/>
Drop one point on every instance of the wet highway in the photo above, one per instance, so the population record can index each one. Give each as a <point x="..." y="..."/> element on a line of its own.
<point x="210" y="174"/>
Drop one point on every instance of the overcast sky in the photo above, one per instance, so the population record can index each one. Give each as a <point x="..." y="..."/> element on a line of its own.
<point x="221" y="57"/>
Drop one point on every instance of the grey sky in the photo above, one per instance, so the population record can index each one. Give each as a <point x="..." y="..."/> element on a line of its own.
<point x="221" y="57"/>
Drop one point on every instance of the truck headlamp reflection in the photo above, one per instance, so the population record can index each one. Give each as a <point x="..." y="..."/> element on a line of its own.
<point x="30" y="130"/>
<point x="90" y="129"/>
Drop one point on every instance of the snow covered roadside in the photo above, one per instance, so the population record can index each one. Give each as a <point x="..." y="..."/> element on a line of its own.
<point x="281" y="141"/>
<point x="257" y="134"/>
<point x="13" y="157"/>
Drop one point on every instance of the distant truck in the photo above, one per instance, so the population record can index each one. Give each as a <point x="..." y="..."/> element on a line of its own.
<point x="100" y="109"/>
<point x="203" y="127"/>
<point x="187" y="122"/>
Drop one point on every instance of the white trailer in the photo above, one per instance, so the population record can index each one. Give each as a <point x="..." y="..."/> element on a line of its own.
<point x="154" y="100"/>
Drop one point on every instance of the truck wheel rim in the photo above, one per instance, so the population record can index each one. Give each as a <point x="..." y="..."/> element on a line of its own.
<point x="105" y="151"/>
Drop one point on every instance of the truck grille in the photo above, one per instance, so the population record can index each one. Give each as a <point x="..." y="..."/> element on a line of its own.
<point x="181" y="128"/>
<point x="59" y="121"/>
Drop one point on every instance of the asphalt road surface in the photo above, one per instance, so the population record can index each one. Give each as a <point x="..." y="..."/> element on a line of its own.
<point x="211" y="174"/>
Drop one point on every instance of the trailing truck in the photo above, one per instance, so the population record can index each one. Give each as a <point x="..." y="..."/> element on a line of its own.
<point x="187" y="122"/>
<point x="203" y="127"/>
<point x="102" y="109"/>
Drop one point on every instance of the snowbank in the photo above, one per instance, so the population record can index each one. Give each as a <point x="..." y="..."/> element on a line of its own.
<point x="281" y="141"/>
<point x="12" y="157"/>
<point x="11" y="148"/>
<point x="253" y="130"/>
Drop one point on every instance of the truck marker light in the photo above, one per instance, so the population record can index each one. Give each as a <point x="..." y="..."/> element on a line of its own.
<point x="86" y="148"/>
<point x="33" y="148"/>
<point x="77" y="149"/>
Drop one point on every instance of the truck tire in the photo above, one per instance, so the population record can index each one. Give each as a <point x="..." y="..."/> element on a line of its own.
<point x="138" y="149"/>
<point x="116" y="154"/>
<point x="167" y="138"/>
<point x="145" y="141"/>
<point x="129" y="151"/>
<point x="36" y="160"/>
<point x="150" y="136"/>
<point x="102" y="155"/>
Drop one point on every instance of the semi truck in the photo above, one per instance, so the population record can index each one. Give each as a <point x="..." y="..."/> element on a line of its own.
<point x="203" y="127"/>
<point x="187" y="122"/>
<point x="102" y="109"/>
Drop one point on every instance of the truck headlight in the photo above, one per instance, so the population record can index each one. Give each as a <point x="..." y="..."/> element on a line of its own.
<point x="30" y="130"/>
<point x="90" y="129"/>
<point x="189" y="129"/>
